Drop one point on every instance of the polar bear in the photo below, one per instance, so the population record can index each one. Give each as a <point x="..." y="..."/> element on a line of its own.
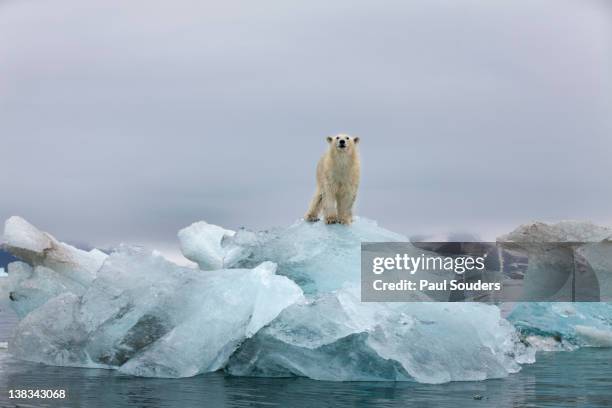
<point x="337" y="181"/>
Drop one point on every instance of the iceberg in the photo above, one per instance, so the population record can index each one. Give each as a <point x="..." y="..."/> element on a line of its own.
<point x="556" y="251"/>
<point x="579" y="247"/>
<point x="281" y="302"/>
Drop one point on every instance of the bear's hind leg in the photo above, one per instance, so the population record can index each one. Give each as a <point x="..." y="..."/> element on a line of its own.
<point x="312" y="215"/>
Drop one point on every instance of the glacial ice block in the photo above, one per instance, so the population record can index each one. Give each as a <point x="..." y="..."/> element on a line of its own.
<point x="567" y="260"/>
<point x="588" y="255"/>
<point x="143" y="315"/>
<point x="564" y="325"/>
<point x="317" y="256"/>
<point x="338" y="338"/>
<point x="35" y="247"/>
<point x="149" y="317"/>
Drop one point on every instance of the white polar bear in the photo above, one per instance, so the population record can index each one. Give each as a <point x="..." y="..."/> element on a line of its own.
<point x="337" y="181"/>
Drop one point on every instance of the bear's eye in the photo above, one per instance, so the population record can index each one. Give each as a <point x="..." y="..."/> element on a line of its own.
<point x="346" y="138"/>
<point x="337" y="137"/>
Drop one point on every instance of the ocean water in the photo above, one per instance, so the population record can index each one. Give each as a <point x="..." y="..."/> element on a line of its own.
<point x="581" y="378"/>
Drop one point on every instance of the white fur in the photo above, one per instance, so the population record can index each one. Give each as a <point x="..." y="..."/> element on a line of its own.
<point x="337" y="181"/>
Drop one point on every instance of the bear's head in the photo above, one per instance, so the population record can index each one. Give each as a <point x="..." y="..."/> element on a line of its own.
<point x="342" y="143"/>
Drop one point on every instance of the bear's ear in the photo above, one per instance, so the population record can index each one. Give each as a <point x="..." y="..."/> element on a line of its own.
<point x="329" y="139"/>
<point x="356" y="140"/>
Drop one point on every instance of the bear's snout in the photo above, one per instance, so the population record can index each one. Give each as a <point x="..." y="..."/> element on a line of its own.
<point x="342" y="143"/>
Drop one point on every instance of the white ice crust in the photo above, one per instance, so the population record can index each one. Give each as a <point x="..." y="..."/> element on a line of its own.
<point x="201" y="243"/>
<point x="40" y="248"/>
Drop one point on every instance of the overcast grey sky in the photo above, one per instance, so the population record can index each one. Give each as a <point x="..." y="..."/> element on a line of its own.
<point x="125" y="121"/>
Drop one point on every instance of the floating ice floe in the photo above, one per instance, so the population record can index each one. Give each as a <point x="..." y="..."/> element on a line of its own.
<point x="283" y="302"/>
<point x="558" y="250"/>
<point x="564" y="325"/>
<point x="578" y="247"/>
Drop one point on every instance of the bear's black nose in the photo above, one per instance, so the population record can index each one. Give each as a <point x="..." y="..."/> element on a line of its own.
<point x="342" y="142"/>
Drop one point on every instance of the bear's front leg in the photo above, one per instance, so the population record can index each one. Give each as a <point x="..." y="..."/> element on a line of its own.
<point x="345" y="208"/>
<point x="329" y="209"/>
<point x="332" y="219"/>
<point x="345" y="219"/>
